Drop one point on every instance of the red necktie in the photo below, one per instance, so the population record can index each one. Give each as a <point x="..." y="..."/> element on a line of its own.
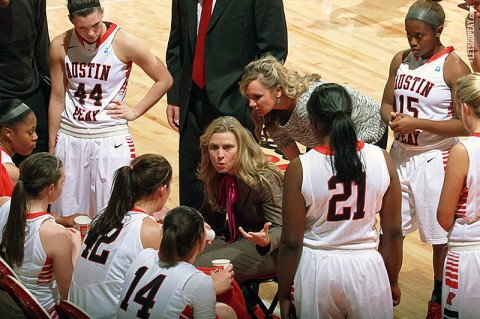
<point x="198" y="74"/>
<point x="227" y="196"/>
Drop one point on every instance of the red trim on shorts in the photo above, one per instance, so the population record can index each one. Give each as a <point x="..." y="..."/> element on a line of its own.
<point x="477" y="134"/>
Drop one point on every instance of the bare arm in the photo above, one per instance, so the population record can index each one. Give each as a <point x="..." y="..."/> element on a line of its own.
<point x="391" y="222"/>
<point x="291" y="242"/>
<point x="59" y="84"/>
<point x="12" y="171"/>
<point x="291" y="151"/>
<point x="151" y="234"/>
<point x="129" y="48"/>
<point x="388" y="98"/>
<point x="455" y="177"/>
<point x="57" y="244"/>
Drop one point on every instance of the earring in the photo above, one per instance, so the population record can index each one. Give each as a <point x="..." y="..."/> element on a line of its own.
<point x="278" y="101"/>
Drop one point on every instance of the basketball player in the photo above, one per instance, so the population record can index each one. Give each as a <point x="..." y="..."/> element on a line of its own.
<point x="176" y="288"/>
<point x="90" y="67"/>
<point x="17" y="135"/>
<point x="331" y="198"/>
<point x="119" y="233"/>
<point x="41" y="252"/>
<point x="417" y="105"/>
<point x="458" y="209"/>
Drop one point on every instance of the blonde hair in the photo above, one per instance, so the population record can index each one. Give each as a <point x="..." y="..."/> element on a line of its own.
<point x="251" y="163"/>
<point x="468" y="91"/>
<point x="272" y="73"/>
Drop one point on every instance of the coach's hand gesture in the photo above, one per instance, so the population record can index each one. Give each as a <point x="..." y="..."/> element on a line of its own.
<point x="260" y="238"/>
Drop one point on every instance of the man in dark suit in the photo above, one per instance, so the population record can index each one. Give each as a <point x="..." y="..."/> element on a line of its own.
<point x="24" y="61"/>
<point x="238" y="32"/>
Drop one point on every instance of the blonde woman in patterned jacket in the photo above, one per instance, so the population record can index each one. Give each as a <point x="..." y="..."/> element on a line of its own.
<point x="279" y="96"/>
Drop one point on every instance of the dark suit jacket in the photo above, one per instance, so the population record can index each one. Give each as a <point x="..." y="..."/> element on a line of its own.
<point x="239" y="32"/>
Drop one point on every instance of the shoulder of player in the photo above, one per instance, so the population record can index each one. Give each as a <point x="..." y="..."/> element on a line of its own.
<point x="458" y="150"/>
<point x="51" y="232"/>
<point x="126" y="40"/>
<point x="60" y="43"/>
<point x="454" y="68"/>
<point x="55" y="239"/>
<point x="294" y="172"/>
<point x="397" y="60"/>
<point x="454" y="59"/>
<point x="151" y="233"/>
<point x="3" y="200"/>
<point x="127" y="46"/>
<point x="151" y="226"/>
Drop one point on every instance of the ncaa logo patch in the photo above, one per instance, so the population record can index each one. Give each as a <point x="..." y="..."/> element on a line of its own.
<point x="437" y="69"/>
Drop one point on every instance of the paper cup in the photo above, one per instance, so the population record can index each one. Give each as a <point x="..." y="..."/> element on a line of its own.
<point x="220" y="264"/>
<point x="82" y="224"/>
<point x="209" y="233"/>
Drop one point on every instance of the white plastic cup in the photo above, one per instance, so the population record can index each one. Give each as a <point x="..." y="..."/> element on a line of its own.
<point x="82" y="224"/>
<point x="209" y="233"/>
<point x="220" y="264"/>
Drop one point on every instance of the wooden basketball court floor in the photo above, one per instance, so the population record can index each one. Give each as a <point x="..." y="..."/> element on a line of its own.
<point x="348" y="42"/>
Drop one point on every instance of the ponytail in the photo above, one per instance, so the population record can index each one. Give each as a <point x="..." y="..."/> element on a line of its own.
<point x="144" y="176"/>
<point x="37" y="172"/>
<point x="330" y="106"/>
<point x="13" y="240"/>
<point x="182" y="227"/>
<point x="343" y="143"/>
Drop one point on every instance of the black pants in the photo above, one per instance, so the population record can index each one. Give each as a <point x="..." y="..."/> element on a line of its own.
<point x="200" y="115"/>
<point x="382" y="142"/>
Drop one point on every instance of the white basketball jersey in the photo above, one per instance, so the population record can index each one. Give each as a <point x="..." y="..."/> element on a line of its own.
<point x="153" y="291"/>
<point x="95" y="77"/>
<point x="36" y="271"/>
<point x="5" y="157"/>
<point x="4" y="211"/>
<point x="100" y="272"/>
<point x="421" y="92"/>
<point x="342" y="216"/>
<point x="466" y="228"/>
